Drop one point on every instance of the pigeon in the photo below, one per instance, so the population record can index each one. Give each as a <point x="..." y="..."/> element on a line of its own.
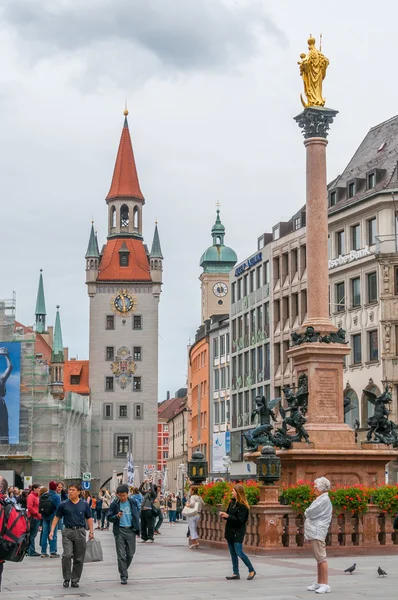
<point x="350" y="570"/>
<point x="381" y="572"/>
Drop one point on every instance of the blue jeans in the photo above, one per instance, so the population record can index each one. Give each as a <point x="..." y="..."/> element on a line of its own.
<point x="34" y="528"/>
<point x="236" y="551"/>
<point x="172" y="516"/>
<point x="44" y="537"/>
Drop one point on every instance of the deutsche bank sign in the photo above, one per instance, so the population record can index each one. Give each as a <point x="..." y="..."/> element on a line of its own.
<point x="347" y="258"/>
<point x="249" y="263"/>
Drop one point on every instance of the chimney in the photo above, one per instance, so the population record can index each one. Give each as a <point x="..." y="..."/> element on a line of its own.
<point x="168" y="395"/>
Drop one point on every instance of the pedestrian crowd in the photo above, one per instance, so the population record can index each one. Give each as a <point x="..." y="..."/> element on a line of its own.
<point x="138" y="514"/>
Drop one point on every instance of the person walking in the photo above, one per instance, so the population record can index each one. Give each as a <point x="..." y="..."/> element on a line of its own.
<point x="237" y="515"/>
<point x="137" y="496"/>
<point x="99" y="510"/>
<point x="48" y="504"/>
<point x="318" y="517"/>
<point x="179" y="507"/>
<point x="172" y="508"/>
<point x="193" y="508"/>
<point x="106" y="502"/>
<point x="148" y="511"/>
<point x="158" y="516"/>
<point x="125" y="516"/>
<point x="32" y="504"/>
<point x="76" y="513"/>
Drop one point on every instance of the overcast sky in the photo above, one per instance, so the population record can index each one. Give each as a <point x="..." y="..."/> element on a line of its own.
<point x="212" y="88"/>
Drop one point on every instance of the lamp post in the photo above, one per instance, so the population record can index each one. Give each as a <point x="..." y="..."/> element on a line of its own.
<point x="198" y="468"/>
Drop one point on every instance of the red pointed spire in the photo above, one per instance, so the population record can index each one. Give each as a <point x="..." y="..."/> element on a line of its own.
<point x="125" y="179"/>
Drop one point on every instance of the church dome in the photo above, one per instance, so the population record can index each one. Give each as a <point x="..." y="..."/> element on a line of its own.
<point x="218" y="258"/>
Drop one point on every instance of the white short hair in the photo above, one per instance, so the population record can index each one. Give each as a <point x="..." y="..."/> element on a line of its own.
<point x="322" y="484"/>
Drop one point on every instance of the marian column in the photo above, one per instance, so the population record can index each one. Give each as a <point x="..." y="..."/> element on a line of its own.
<point x="319" y="350"/>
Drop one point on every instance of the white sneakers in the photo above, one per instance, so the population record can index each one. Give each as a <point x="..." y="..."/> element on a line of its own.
<point x="319" y="588"/>
<point x="313" y="587"/>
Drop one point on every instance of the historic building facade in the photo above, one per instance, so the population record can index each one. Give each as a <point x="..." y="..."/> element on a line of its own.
<point x="124" y="283"/>
<point x="216" y="263"/>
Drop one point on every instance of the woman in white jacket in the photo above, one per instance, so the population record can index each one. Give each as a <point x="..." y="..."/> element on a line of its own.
<point x="318" y="517"/>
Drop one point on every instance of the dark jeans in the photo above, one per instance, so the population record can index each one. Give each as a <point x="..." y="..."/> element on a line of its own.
<point x="125" y="549"/>
<point x="1" y="572"/>
<point x="104" y="515"/>
<point x="34" y="528"/>
<point x="159" y="520"/>
<point x="147" y="525"/>
<point x="46" y="528"/>
<point x="74" y="543"/>
<point x="236" y="551"/>
<point x="172" y="516"/>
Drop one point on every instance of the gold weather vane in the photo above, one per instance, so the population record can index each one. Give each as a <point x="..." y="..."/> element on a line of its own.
<point x="313" y="71"/>
<point x="125" y="112"/>
<point x="218" y="204"/>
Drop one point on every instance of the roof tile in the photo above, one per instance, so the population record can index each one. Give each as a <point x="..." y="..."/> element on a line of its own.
<point x="110" y="269"/>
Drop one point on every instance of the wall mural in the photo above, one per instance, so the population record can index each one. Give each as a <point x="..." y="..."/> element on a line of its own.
<point x="123" y="367"/>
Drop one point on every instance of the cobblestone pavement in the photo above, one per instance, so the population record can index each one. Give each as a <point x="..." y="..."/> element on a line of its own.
<point x="167" y="569"/>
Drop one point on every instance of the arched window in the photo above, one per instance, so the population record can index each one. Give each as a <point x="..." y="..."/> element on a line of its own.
<point x="91" y="264"/>
<point x="113" y="217"/>
<point x="351" y="406"/>
<point x="218" y="240"/>
<point x="367" y="406"/>
<point x="124" y="216"/>
<point x="136" y="216"/>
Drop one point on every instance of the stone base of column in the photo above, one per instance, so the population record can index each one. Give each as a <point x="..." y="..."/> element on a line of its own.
<point x="323" y="365"/>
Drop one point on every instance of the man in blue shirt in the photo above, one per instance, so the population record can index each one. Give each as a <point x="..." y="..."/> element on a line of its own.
<point x="124" y="514"/>
<point x="75" y="512"/>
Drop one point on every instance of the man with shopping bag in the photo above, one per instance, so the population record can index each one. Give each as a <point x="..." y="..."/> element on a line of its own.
<point x="76" y="513"/>
<point x="125" y="516"/>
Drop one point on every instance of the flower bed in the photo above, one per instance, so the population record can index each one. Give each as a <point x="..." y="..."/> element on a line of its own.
<point x="220" y="492"/>
<point x="345" y="499"/>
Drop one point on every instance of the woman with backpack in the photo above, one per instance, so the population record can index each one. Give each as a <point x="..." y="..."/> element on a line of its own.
<point x="34" y="517"/>
<point x="237" y="515"/>
<point x="48" y="504"/>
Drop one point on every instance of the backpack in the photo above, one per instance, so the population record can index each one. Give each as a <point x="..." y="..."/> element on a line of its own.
<point x="14" y="532"/>
<point x="46" y="506"/>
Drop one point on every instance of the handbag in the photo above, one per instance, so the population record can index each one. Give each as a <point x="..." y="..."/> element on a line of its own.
<point x="93" y="551"/>
<point x="191" y="512"/>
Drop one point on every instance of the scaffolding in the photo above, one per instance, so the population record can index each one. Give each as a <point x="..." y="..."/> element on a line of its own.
<point x="41" y="449"/>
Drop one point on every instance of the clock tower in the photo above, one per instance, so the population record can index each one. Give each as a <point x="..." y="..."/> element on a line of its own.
<point x="124" y="283"/>
<point x="216" y="263"/>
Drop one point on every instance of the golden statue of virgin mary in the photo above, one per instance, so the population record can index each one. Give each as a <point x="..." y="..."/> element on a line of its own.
<point x="313" y="70"/>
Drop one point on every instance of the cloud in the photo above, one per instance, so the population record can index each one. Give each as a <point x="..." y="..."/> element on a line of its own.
<point x="177" y="35"/>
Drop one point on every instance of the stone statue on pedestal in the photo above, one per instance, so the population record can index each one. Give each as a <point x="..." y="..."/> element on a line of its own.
<point x="261" y="435"/>
<point x="380" y="427"/>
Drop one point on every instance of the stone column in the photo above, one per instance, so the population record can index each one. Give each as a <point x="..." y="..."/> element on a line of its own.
<point x="315" y="123"/>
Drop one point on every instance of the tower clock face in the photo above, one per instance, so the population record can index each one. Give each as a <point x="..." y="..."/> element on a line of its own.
<point x="220" y="289"/>
<point x="124" y="303"/>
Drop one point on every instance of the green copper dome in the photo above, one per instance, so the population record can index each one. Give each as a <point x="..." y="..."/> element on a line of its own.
<point x="218" y="258"/>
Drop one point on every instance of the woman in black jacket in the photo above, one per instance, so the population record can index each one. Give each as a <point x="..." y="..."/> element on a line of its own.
<point x="235" y="528"/>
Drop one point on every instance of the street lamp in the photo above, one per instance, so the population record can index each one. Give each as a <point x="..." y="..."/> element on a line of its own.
<point x="227" y="462"/>
<point x="198" y="468"/>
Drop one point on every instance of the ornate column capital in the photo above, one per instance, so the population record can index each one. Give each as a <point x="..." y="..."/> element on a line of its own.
<point x="315" y="121"/>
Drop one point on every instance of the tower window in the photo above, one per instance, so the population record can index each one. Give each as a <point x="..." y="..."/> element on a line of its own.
<point x="110" y="353"/>
<point x="136" y="384"/>
<point x="137" y="352"/>
<point x="124" y="216"/>
<point x="113" y="217"/>
<point x="109" y="384"/>
<point x="137" y="322"/>
<point x="136" y="218"/>
<point x="110" y="322"/>
<point x="122" y="446"/>
<point x="124" y="259"/>
<point x="74" y="379"/>
<point x="108" y="411"/>
<point x="123" y="411"/>
<point x="138" y="411"/>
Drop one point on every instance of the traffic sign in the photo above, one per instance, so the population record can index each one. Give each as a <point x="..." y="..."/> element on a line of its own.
<point x="86" y="485"/>
<point x="86" y="477"/>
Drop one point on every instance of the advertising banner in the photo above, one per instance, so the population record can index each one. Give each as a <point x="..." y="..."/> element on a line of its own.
<point x="10" y="391"/>
<point x="149" y="471"/>
<point x="219" y="452"/>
